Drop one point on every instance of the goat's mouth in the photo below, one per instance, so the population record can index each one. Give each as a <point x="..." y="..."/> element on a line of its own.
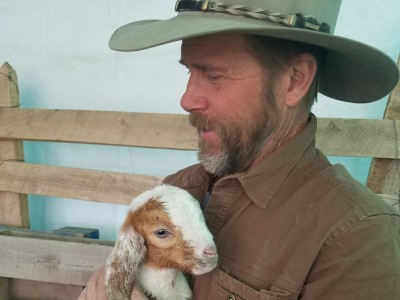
<point x="204" y="265"/>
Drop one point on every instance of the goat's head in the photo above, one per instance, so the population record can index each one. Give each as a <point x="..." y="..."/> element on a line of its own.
<point x="174" y="231"/>
<point x="165" y="229"/>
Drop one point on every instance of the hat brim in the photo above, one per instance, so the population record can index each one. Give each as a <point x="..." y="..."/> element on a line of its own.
<point x="353" y="71"/>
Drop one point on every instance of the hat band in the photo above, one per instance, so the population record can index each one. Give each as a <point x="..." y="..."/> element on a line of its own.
<point x="296" y="21"/>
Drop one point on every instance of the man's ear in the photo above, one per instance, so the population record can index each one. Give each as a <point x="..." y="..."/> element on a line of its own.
<point x="302" y="73"/>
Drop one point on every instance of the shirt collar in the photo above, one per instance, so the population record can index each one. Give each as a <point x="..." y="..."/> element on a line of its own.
<point x="263" y="181"/>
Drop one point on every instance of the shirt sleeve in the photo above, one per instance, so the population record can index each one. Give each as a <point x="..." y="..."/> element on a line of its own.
<point x="362" y="263"/>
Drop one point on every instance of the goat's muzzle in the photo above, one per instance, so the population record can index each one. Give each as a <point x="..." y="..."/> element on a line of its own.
<point x="205" y="262"/>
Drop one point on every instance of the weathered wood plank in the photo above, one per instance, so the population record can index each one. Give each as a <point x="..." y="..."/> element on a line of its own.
<point x="341" y="137"/>
<point x="384" y="174"/>
<point x="357" y="137"/>
<point x="28" y="289"/>
<point x="98" y="127"/>
<point x="110" y="187"/>
<point x="9" y="95"/>
<point x="100" y="186"/>
<point x="13" y="206"/>
<point x="50" y="260"/>
<point x="11" y="150"/>
<point x="14" y="209"/>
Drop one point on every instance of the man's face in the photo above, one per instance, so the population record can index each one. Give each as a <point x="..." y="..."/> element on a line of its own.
<point x="226" y="97"/>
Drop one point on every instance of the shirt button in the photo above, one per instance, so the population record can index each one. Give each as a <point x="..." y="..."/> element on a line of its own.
<point x="231" y="297"/>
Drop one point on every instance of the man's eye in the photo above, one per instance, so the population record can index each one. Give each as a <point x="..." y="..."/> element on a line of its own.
<point x="161" y="233"/>
<point x="214" y="77"/>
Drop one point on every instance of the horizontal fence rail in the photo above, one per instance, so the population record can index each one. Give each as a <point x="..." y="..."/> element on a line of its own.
<point x="74" y="183"/>
<point x="48" y="258"/>
<point x="91" y="185"/>
<point x="336" y="137"/>
<point x="98" y="127"/>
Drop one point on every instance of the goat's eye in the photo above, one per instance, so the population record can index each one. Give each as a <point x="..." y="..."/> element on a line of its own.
<point x="162" y="233"/>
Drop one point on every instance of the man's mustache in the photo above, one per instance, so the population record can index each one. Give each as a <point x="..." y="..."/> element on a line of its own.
<point x="201" y="122"/>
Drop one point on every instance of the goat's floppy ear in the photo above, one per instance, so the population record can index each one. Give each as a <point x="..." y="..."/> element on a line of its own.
<point x="122" y="263"/>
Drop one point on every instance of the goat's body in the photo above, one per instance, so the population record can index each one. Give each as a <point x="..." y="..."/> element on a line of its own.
<point x="163" y="284"/>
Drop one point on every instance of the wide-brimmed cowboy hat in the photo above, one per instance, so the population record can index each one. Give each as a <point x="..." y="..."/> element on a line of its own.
<point x="353" y="71"/>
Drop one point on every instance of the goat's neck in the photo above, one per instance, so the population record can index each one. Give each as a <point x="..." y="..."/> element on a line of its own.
<point x="163" y="284"/>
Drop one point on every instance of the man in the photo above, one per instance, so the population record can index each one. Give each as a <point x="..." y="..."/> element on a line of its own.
<point x="287" y="224"/>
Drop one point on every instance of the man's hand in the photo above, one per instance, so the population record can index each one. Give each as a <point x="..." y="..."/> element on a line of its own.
<point x="95" y="289"/>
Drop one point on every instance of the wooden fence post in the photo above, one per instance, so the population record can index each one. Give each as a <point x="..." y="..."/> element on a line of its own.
<point x="384" y="174"/>
<point x="13" y="206"/>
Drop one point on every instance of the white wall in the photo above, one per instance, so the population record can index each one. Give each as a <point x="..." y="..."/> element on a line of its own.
<point x="59" y="50"/>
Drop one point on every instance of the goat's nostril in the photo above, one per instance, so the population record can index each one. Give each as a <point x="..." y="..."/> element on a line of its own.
<point x="211" y="252"/>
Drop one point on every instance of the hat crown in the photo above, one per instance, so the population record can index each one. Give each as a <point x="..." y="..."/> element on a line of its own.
<point x="324" y="11"/>
<point x="352" y="71"/>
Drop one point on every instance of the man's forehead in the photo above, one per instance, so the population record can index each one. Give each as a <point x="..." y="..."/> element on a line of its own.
<point x="224" y="53"/>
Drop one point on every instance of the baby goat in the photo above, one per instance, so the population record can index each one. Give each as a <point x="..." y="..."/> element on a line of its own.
<point x="163" y="235"/>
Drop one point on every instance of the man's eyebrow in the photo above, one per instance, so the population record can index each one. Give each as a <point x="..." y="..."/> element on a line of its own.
<point x="196" y="66"/>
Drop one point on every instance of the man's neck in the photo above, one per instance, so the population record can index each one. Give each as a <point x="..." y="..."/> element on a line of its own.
<point x="283" y="134"/>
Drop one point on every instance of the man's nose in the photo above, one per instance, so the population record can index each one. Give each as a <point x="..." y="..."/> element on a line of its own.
<point x="194" y="99"/>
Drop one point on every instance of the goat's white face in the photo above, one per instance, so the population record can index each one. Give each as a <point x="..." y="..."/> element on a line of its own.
<point x="174" y="220"/>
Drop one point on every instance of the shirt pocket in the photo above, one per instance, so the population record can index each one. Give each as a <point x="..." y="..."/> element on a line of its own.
<point x="226" y="287"/>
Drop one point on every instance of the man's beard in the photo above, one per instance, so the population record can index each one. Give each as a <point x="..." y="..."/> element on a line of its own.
<point x="240" y="144"/>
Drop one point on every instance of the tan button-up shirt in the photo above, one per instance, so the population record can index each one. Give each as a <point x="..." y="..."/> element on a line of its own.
<point x="296" y="227"/>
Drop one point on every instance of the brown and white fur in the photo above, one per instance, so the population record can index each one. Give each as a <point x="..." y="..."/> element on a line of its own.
<point x="163" y="236"/>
